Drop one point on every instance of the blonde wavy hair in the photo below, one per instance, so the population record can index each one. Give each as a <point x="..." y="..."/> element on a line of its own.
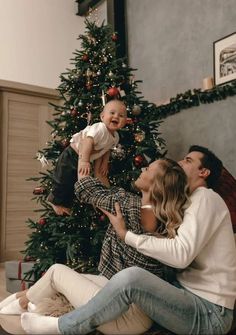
<point x="169" y="197"/>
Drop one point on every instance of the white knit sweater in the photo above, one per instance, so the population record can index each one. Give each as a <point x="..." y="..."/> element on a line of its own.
<point x="204" y="248"/>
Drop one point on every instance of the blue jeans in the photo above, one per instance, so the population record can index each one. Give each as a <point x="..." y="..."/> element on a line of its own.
<point x="171" y="306"/>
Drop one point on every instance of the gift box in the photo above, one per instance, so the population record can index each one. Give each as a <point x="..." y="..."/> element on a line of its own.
<point x="15" y="272"/>
<point x="18" y="269"/>
<point x="16" y="285"/>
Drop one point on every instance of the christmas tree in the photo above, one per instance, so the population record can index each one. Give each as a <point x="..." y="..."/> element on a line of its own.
<point x="97" y="76"/>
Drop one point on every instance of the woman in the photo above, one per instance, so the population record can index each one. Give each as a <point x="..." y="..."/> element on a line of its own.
<point x="164" y="198"/>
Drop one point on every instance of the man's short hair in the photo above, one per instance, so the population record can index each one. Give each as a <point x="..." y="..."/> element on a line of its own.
<point x="211" y="162"/>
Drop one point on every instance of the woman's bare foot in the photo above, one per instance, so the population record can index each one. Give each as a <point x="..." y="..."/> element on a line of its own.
<point x="21" y="293"/>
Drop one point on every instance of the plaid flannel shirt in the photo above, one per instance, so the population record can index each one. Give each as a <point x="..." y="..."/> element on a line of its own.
<point x="115" y="254"/>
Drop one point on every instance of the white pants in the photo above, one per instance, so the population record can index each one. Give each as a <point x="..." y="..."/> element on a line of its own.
<point x="79" y="289"/>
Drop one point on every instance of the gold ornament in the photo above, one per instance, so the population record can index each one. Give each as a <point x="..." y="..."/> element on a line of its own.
<point x="139" y="136"/>
<point x="136" y="110"/>
<point x="88" y="72"/>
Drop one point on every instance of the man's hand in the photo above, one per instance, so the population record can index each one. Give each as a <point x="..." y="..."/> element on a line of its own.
<point x="117" y="221"/>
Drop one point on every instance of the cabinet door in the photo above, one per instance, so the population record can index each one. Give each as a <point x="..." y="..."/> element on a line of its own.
<point x="23" y="132"/>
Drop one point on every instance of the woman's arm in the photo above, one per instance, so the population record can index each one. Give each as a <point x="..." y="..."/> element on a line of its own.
<point x="148" y="220"/>
<point x="91" y="191"/>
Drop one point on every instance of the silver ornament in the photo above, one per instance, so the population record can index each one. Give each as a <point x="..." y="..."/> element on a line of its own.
<point x="118" y="152"/>
<point x="43" y="160"/>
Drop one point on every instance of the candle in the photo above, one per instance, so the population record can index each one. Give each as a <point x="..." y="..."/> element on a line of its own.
<point x="207" y="83"/>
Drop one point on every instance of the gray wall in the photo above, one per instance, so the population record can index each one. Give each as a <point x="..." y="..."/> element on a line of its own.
<point x="171" y="45"/>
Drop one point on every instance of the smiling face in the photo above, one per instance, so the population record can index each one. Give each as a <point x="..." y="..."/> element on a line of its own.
<point x="191" y="163"/>
<point x="148" y="175"/>
<point x="114" y="115"/>
<point x="192" y="166"/>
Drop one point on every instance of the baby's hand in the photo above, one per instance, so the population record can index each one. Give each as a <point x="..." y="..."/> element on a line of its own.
<point x="84" y="168"/>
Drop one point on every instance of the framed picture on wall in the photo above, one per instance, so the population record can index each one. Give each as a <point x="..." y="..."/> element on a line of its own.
<point x="225" y="59"/>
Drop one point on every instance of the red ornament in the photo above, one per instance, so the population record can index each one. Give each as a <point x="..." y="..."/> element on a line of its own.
<point x="139" y="160"/>
<point x="114" y="37"/>
<point x="113" y="91"/>
<point x="85" y="57"/>
<point x="129" y="120"/>
<point x="38" y="190"/>
<point x="89" y="85"/>
<point x="65" y="143"/>
<point x="74" y="112"/>
<point x="102" y="218"/>
<point x="42" y="221"/>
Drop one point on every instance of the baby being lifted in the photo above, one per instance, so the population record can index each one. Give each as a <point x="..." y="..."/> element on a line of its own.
<point x="91" y="144"/>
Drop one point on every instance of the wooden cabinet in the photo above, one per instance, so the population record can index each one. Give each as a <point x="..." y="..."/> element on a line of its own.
<point x="23" y="112"/>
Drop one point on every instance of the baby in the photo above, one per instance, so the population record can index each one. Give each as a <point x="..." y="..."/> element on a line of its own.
<point x="92" y="144"/>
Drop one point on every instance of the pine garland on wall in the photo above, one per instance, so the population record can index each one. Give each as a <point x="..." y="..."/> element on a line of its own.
<point x="196" y="97"/>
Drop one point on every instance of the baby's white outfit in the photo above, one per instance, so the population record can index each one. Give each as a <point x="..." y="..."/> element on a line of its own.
<point x="103" y="139"/>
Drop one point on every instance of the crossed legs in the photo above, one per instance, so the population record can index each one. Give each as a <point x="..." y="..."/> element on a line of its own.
<point x="78" y="289"/>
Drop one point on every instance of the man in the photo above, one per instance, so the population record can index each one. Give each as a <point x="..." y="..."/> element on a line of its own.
<point x="201" y="301"/>
<point x="202" y="167"/>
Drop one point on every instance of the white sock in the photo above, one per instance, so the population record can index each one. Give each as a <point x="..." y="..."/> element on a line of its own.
<point x="7" y="301"/>
<point x="31" y="307"/>
<point x="33" y="323"/>
<point x="12" y="308"/>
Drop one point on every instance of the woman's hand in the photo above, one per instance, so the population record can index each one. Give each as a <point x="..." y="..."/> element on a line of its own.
<point x="117" y="221"/>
